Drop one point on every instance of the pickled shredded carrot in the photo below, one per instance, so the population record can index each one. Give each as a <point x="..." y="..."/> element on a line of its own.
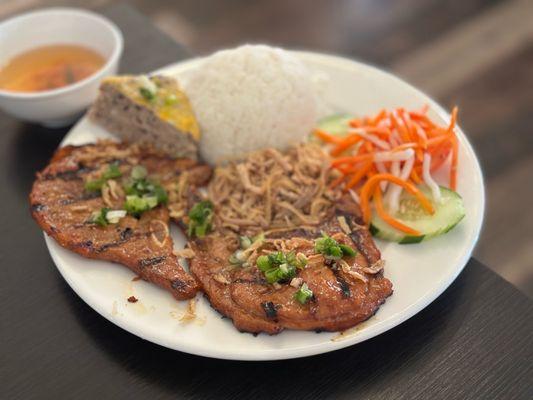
<point x="364" y="159"/>
<point x="326" y="137"/>
<point x="453" y="168"/>
<point x="360" y="174"/>
<point x="369" y="186"/>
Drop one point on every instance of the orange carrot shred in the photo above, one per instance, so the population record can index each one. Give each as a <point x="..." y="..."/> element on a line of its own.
<point x="368" y="189"/>
<point x="422" y="119"/>
<point x="355" y="123"/>
<point x="401" y="129"/>
<point x="415" y="177"/>
<point x="391" y="132"/>
<point x="405" y="146"/>
<point x="345" y="144"/>
<point x="359" y="174"/>
<point x="453" y="120"/>
<point x="438" y="140"/>
<point x="352" y="159"/>
<point x="453" y="167"/>
<point x="382" y="114"/>
<point x="439" y="155"/>
<point x="380" y="131"/>
<point x="326" y="137"/>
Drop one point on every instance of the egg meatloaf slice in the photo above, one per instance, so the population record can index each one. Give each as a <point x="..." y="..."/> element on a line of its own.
<point x="62" y="206"/>
<point x="148" y="109"/>
<point x="345" y="292"/>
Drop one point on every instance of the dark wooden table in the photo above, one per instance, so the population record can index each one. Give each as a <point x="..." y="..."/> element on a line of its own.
<point x="474" y="342"/>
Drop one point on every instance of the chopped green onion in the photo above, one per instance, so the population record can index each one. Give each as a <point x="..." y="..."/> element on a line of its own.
<point x="114" y="216"/>
<point x="94" y="185"/>
<point x="277" y="266"/>
<point x="304" y="294"/>
<point x="331" y="249"/>
<point x="201" y="216"/>
<point x="276" y="258"/>
<point x="290" y="258"/>
<point x="147" y="94"/>
<point x="170" y="100"/>
<point x="272" y="275"/>
<point x="298" y="260"/>
<point x="238" y="257"/>
<point x="245" y="242"/>
<point x="280" y="274"/>
<point x="284" y="268"/>
<point x="143" y="194"/>
<point x="136" y="205"/>
<point x="328" y="247"/>
<point x="288" y="272"/>
<point x="347" y="250"/>
<point x="160" y="194"/>
<point x="99" y="217"/>
<point x="152" y="201"/>
<point x="138" y="172"/>
<point x="263" y="263"/>
<point x="301" y="260"/>
<point x="234" y="260"/>
<point x="111" y="172"/>
<point x="150" y="83"/>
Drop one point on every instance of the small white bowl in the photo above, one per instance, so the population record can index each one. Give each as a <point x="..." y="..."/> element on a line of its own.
<point x="61" y="106"/>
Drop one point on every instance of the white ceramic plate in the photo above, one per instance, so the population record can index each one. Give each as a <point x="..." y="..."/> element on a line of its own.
<point x="419" y="272"/>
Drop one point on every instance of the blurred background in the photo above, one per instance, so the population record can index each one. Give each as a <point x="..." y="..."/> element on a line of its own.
<point x="477" y="54"/>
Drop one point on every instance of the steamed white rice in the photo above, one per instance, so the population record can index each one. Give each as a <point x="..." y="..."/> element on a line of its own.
<point x="250" y="98"/>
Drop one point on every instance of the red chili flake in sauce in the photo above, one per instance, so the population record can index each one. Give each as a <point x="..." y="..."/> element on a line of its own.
<point x="133" y="299"/>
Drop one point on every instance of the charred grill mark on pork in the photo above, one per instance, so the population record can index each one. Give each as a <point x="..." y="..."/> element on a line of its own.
<point x="150" y="262"/>
<point x="343" y="285"/>
<point x="270" y="310"/>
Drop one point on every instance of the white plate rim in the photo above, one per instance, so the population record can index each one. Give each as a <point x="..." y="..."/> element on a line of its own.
<point x="279" y="354"/>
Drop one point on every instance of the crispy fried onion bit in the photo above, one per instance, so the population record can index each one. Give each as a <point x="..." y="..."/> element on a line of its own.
<point x="189" y="314"/>
<point x="111" y="191"/>
<point x="186" y="253"/>
<point x="348" y="270"/>
<point x="178" y="196"/>
<point x="159" y="232"/>
<point x="273" y="190"/>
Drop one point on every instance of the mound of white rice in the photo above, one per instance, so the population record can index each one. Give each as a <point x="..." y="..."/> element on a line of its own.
<point x="250" y="98"/>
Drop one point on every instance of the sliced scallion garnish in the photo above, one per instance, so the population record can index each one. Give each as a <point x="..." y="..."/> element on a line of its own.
<point x="111" y="172"/>
<point x="114" y="216"/>
<point x="135" y="205"/>
<point x="147" y="94"/>
<point x="304" y="294"/>
<point x="278" y="266"/>
<point x="200" y="219"/>
<point x="99" y="217"/>
<point x="331" y="249"/>
<point x="143" y="194"/>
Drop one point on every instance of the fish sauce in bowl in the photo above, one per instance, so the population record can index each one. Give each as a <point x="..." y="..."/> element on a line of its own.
<point x="49" y="67"/>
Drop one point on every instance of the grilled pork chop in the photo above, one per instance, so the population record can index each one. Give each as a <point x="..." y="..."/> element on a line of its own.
<point x="345" y="293"/>
<point x="62" y="206"/>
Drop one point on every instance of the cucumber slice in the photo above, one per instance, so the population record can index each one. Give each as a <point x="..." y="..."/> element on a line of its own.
<point x="336" y="125"/>
<point x="447" y="215"/>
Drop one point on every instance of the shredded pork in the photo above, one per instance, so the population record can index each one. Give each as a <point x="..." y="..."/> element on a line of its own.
<point x="274" y="191"/>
